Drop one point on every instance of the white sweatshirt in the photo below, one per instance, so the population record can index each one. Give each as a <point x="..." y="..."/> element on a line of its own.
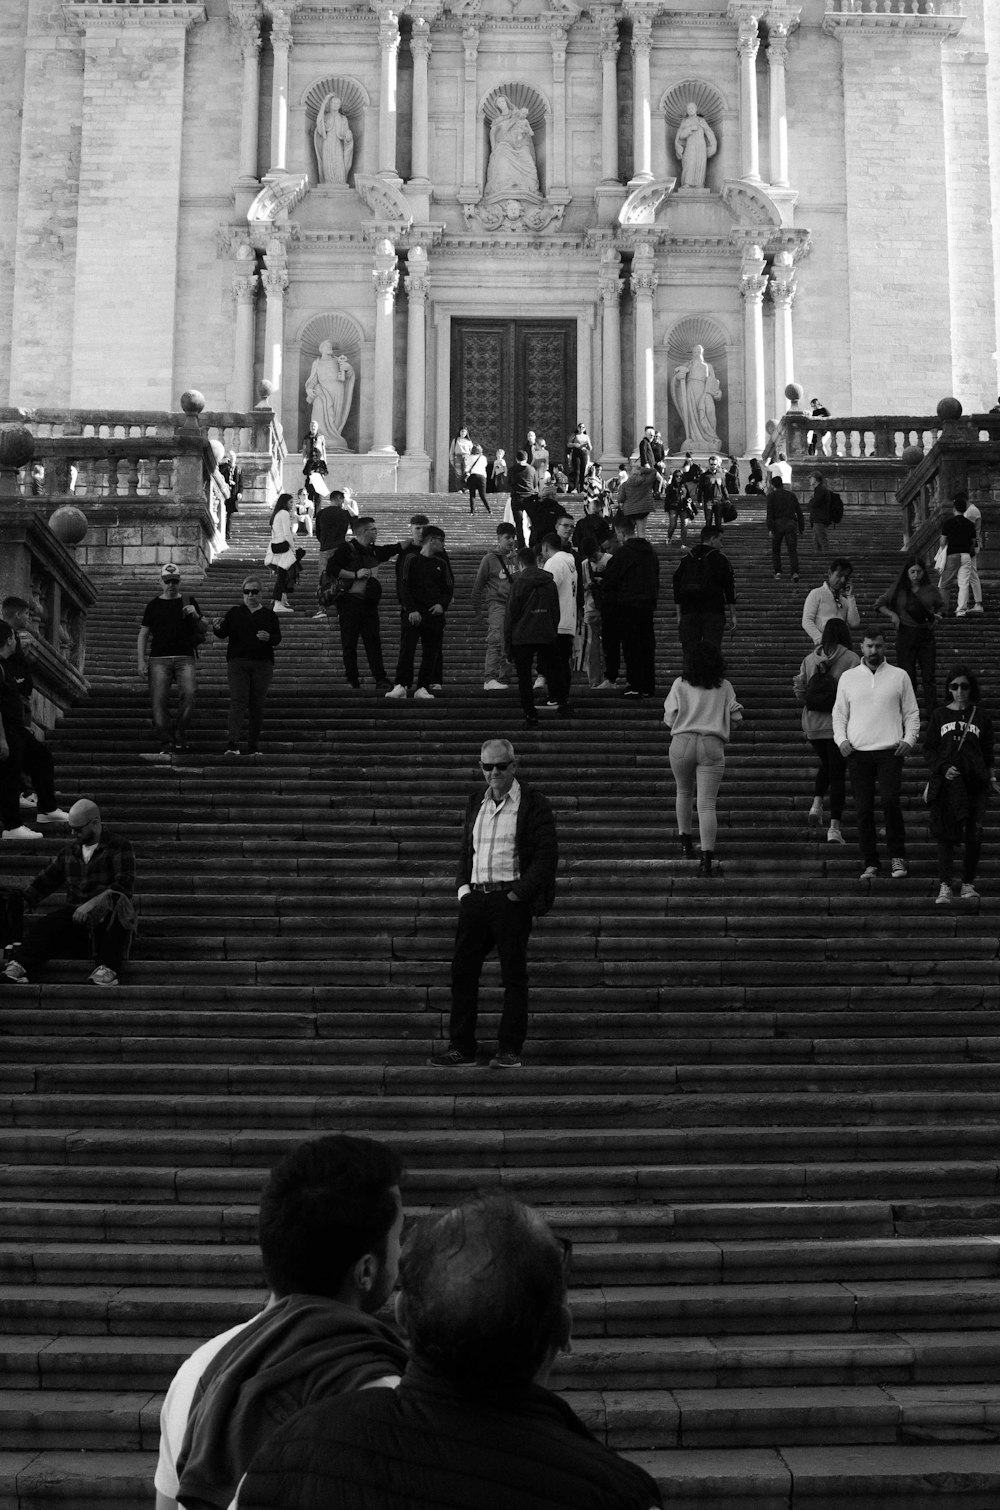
<point x="875" y="709"/>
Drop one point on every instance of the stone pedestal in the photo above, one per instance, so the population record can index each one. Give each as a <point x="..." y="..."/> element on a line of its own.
<point x="365" y="473"/>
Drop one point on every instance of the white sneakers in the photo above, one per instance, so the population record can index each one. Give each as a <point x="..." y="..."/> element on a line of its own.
<point x="423" y="695"/>
<point x="398" y="691"/>
<point x="15" y="974"/>
<point x="57" y="815"/>
<point x="493" y="685"/>
<point x="398" y="694"/>
<point x="22" y="832"/>
<point x="282" y="608"/>
<point x="103" y="976"/>
<point x="833" y="834"/>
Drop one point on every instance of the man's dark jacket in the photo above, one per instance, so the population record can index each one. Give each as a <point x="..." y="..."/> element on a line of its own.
<point x="631" y="578"/>
<point x="537" y="849"/>
<point x="435" y="1445"/>
<point x="721" y="588"/>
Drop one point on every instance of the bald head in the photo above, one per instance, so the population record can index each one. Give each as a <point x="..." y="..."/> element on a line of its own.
<point x="85" y="821"/>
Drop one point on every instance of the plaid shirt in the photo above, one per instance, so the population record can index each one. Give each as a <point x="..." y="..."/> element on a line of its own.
<point x="111" y="865"/>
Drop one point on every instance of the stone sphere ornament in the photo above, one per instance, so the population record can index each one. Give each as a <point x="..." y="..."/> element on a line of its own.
<point x="217" y="449"/>
<point x="17" y="447"/>
<point x="192" y="402"/>
<point x="949" y="411"/>
<point x="68" y="524"/>
<point x="912" y="456"/>
<point x="264" y="390"/>
<point x="793" y="393"/>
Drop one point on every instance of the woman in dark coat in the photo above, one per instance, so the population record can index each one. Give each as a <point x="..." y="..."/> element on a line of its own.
<point x="959" y="750"/>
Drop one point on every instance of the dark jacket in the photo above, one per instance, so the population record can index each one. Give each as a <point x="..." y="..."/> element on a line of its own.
<point x="718" y="590"/>
<point x="240" y="627"/>
<point x="819" y="505"/>
<point x="112" y="865"/>
<point x="332" y="524"/>
<point x="531" y="583"/>
<point x="590" y="528"/>
<point x="523" y="481"/>
<point x="783" y="508"/>
<point x="967" y="744"/>
<point x="424" y="581"/>
<point x="537" y="849"/>
<point x="433" y="1445"/>
<point x="631" y="578"/>
<point x="353" y="556"/>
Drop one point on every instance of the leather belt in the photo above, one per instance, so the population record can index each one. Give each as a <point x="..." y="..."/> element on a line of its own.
<point x="492" y="885"/>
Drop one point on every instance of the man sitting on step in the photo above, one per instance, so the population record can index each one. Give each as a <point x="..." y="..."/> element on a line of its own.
<point x="483" y="1299"/>
<point x="98" y="871"/>
<point x="330" y="1222"/>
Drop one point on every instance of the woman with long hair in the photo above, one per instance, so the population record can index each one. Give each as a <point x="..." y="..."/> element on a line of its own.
<point x="460" y="456"/>
<point x="699" y="711"/>
<point x="959" y="750"/>
<point x="280" y="553"/>
<point x="815" y="687"/>
<point x="915" y="605"/>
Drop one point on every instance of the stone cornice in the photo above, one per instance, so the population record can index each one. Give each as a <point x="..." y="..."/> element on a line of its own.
<point x="121" y="13"/>
<point x="843" y="21"/>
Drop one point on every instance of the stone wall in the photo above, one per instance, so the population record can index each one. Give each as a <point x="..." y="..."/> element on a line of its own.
<point x="13" y="27"/>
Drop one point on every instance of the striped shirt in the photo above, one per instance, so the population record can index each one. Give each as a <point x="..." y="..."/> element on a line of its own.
<point x="494" y="838"/>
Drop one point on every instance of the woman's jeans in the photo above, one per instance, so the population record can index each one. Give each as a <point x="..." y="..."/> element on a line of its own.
<point x="831" y="775"/>
<point x="915" y="647"/>
<point x="248" y="684"/>
<point x="698" y="761"/>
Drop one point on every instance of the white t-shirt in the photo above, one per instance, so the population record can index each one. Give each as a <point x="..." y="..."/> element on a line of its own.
<point x="563" y="568"/>
<point x="176" y="1408"/>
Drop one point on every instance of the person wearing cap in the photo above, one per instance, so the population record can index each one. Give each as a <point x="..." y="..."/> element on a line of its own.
<point x="426" y="588"/>
<point x="97" y="870"/>
<point x="171" y="630"/>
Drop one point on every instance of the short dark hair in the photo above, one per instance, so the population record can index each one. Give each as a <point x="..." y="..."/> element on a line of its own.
<point x="526" y="556"/>
<point x="709" y="532"/>
<point x="432" y="532"/>
<point x="835" y="632"/>
<point x="419" y="519"/>
<point x="364" y="519"/>
<point x="507" y="529"/>
<point x="704" y="666"/>
<point x="337" y="493"/>
<point x="960" y="502"/>
<point x="522" y="455"/>
<point x="6" y="633"/>
<point x="963" y="670"/>
<point x="625" y="523"/>
<point x="328" y="1202"/>
<point x="484" y="1287"/>
<point x="874" y="632"/>
<point x="551" y="539"/>
<point x="841" y="563"/>
<point x="13" y="604"/>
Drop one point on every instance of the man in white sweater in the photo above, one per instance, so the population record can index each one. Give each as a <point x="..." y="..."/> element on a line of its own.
<point x="876" y="723"/>
<point x="833" y="599"/>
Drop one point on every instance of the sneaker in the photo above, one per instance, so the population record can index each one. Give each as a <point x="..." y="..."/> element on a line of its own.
<point x="493" y="685"/>
<point x="506" y="1059"/>
<point x="231" y="750"/>
<point x="833" y="834"/>
<point x="320" y="613"/>
<point x="899" y="869"/>
<point x="423" y="695"/>
<point x="451" y="1059"/>
<point x="815" y="813"/>
<point x="605" y="686"/>
<point x="22" y="832"/>
<point x="538" y="683"/>
<point x="436" y="687"/>
<point x="969" y="892"/>
<point x="960" y="613"/>
<point x="870" y="873"/>
<point x="944" y="895"/>
<point x="631" y="692"/>
<point x="397" y="692"/>
<point x="282" y="608"/>
<point x="15" y="974"/>
<point x="55" y="815"/>
<point x="166" y="754"/>
<point x="977" y="608"/>
<point x="29" y="799"/>
<point x="103" y="976"/>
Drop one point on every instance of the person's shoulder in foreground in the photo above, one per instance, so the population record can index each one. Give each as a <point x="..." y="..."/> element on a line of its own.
<point x="483" y="1298"/>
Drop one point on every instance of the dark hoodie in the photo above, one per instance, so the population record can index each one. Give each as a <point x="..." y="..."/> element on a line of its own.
<point x="631" y="578"/>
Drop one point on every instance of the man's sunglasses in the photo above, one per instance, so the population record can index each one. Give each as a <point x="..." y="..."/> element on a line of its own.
<point x="496" y="765"/>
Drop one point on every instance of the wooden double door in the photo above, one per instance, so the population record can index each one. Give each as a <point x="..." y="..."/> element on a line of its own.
<point x="512" y="376"/>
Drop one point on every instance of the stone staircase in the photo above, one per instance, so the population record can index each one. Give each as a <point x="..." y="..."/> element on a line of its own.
<point x="763" y="1107"/>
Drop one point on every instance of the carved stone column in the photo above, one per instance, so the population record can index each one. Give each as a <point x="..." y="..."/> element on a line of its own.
<point x="245" y="294"/>
<point x="469" y="191"/>
<point x="281" y="46"/>
<point x="777" y="56"/>
<point x="642" y="128"/>
<point x="385" y="281"/>
<point x="417" y="284"/>
<point x="275" y="281"/>
<point x="753" y="285"/>
<point x="420" y="48"/>
<point x="247" y="27"/>
<point x="610" y="289"/>
<point x="643" y="284"/>
<point x="388" y="44"/>
<point x="748" y="41"/>
<point x="609" y="100"/>
<point x="782" y="289"/>
<point x="556" y="186"/>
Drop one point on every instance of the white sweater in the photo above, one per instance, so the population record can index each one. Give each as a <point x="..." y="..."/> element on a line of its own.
<point x="700" y="710"/>
<point x="875" y="709"/>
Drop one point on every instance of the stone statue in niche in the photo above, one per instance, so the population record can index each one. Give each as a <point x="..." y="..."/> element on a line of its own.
<point x="694" y="143"/>
<point x="512" y="168"/>
<point x="695" y="389"/>
<point x="334" y="142"/>
<point x="330" y="389"/>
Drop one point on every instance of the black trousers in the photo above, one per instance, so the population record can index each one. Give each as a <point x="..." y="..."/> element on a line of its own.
<point x="831" y="775"/>
<point x="785" y="530"/>
<point x="477" y="487"/>
<point x="56" y="933"/>
<point x="523" y="657"/>
<point x="639" y="648"/>
<point x="555" y="664"/>
<point x="611" y="642"/>
<point x="917" y="648"/>
<point x="881" y="768"/>
<point x="692" y="628"/>
<point x="10" y="781"/>
<point x="36" y="764"/>
<point x="429" y="635"/>
<point x="359" y="620"/>
<point x="488" y="921"/>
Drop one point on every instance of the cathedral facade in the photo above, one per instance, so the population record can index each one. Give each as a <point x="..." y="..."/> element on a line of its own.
<point x="504" y="214"/>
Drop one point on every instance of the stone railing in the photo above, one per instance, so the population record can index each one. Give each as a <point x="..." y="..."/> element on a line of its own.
<point x="964" y="458"/>
<point x="148" y="481"/>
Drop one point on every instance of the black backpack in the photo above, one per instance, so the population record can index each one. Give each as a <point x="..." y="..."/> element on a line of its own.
<point x="696" y="575"/>
<point x="533" y="625"/>
<point x="836" y="508"/>
<point x="821" y="690"/>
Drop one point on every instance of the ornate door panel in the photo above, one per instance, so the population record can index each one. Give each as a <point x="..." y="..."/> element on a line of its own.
<point x="511" y="375"/>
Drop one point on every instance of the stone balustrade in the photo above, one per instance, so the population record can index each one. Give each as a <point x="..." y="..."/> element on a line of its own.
<point x="966" y="458"/>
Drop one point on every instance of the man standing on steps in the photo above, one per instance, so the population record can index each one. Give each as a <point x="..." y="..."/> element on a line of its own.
<point x="426" y="588"/>
<point x="333" y="521"/>
<point x="876" y="723"/>
<point x="490" y="592"/>
<point x="631" y="588"/>
<point x="785" y="522"/>
<point x="355" y="564"/>
<point x="704" y="592"/>
<point x="330" y="1221"/>
<point x="36" y="757"/>
<point x="506" y="878"/>
<point x="167" y="653"/>
<point x="557" y="667"/>
<point x="97" y="870"/>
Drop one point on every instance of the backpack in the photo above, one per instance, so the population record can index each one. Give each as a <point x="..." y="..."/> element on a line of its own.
<point x="696" y="576"/>
<point x="821" y="690"/>
<point x="836" y="508"/>
<point x="197" y="633"/>
<point x="533" y="625"/>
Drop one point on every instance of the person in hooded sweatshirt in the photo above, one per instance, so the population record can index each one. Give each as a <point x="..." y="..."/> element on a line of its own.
<point x="631" y="587"/>
<point x="815" y="687"/>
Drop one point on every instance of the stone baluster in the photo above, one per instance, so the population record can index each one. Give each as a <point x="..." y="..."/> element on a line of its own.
<point x="609" y="99"/>
<point x="388" y="43"/>
<point x="245" y="294"/>
<point x="420" y="48"/>
<point x="643" y="284"/>
<point x="642" y="120"/>
<point x="247" y="27"/>
<point x="470" y="48"/>
<point x="281" y="46"/>
<point x="417" y="284"/>
<point x="753" y="286"/>
<point x="748" y="41"/>
<point x="777" y="56"/>
<point x="556" y="170"/>
<point x="610" y="289"/>
<point x="385" y="281"/>
<point x="782" y="295"/>
<point x="275" y="281"/>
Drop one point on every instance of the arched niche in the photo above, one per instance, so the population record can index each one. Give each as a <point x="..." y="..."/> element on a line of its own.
<point x="521" y="97"/>
<point x="347" y="337"/>
<point x="710" y="104"/>
<point x="354" y="102"/>
<point x="681" y="339"/>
